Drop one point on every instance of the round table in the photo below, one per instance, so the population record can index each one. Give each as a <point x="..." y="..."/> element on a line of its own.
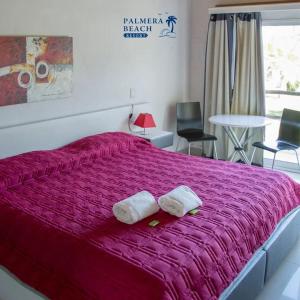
<point x="245" y="122"/>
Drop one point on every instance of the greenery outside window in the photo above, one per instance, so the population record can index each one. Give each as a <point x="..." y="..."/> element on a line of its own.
<point x="282" y="68"/>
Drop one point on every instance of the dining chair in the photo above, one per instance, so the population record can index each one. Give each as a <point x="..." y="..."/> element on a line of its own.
<point x="190" y="125"/>
<point x="288" y="138"/>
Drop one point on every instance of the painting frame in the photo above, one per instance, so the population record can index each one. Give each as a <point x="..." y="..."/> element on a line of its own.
<point x="35" y="68"/>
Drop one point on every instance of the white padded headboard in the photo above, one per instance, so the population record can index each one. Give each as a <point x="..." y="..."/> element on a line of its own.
<point x="58" y="132"/>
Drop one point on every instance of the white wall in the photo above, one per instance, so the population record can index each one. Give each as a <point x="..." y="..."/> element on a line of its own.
<point x="106" y="65"/>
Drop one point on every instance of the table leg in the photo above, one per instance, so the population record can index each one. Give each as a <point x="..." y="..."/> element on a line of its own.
<point x="237" y="144"/>
<point x="232" y="156"/>
<point x="243" y="136"/>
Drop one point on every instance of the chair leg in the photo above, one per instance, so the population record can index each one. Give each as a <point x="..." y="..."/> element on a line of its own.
<point x="252" y="157"/>
<point x="297" y="158"/>
<point x="178" y="143"/>
<point x="274" y="161"/>
<point x="215" y="151"/>
<point x="189" y="149"/>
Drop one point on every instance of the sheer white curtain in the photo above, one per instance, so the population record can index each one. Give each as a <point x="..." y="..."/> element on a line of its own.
<point x="249" y="90"/>
<point x="234" y="81"/>
<point x="217" y="81"/>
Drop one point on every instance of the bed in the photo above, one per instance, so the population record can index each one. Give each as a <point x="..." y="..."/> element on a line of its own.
<point x="58" y="234"/>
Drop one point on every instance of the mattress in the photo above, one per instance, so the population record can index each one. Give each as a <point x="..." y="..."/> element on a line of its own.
<point x="59" y="236"/>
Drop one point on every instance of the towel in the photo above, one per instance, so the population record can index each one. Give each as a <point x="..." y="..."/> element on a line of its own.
<point x="179" y="201"/>
<point x="135" y="208"/>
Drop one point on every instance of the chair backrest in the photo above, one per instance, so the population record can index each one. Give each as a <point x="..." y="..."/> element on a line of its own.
<point x="289" y="131"/>
<point x="189" y="116"/>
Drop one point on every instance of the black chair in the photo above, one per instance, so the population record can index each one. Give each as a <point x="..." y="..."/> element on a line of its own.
<point x="289" y="135"/>
<point x="190" y="125"/>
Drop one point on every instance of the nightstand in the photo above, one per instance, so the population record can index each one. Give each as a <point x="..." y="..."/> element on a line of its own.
<point x="161" y="139"/>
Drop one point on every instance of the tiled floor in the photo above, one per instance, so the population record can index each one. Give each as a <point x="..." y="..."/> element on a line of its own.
<point x="285" y="284"/>
<point x="295" y="176"/>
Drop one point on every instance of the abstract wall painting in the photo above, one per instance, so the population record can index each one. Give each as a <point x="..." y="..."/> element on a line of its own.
<point x="35" y="68"/>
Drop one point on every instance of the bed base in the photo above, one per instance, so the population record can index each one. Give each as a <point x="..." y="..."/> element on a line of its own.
<point x="266" y="260"/>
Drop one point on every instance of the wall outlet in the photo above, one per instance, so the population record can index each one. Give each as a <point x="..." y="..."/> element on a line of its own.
<point x="132" y="93"/>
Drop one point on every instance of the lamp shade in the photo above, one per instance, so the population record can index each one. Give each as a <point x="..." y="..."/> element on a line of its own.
<point x="145" y="121"/>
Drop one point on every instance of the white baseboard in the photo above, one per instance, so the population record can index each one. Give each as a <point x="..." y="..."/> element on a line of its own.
<point x="282" y="165"/>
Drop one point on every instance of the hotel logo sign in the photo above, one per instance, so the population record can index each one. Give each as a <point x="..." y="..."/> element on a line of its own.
<point x="134" y="27"/>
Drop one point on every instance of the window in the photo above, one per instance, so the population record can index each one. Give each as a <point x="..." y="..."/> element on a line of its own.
<point x="282" y="77"/>
<point x="282" y="68"/>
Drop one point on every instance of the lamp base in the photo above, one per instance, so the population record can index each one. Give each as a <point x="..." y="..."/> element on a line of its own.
<point x="144" y="132"/>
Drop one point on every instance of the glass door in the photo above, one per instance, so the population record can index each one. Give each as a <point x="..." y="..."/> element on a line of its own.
<point x="282" y="80"/>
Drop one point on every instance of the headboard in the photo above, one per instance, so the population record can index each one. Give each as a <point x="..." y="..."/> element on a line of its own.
<point x="54" y="133"/>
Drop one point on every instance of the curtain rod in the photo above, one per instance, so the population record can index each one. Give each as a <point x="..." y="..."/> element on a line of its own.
<point x="255" y="8"/>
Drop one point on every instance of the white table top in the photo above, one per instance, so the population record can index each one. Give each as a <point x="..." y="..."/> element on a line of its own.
<point x="153" y="133"/>
<point x="241" y="121"/>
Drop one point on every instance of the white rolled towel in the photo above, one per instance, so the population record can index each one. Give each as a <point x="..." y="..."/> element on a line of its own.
<point x="179" y="201"/>
<point x="135" y="208"/>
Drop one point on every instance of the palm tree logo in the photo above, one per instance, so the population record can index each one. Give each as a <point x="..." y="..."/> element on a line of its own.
<point x="169" y="32"/>
<point x="171" y="21"/>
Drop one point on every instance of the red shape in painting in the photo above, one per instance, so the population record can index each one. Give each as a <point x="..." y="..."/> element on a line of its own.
<point x="59" y="51"/>
<point x="12" y="51"/>
<point x="10" y="91"/>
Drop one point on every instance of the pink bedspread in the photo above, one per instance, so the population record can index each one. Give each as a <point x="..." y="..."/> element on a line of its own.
<point x="58" y="234"/>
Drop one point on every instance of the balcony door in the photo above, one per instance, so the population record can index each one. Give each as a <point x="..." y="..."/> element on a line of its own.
<point x="282" y="80"/>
